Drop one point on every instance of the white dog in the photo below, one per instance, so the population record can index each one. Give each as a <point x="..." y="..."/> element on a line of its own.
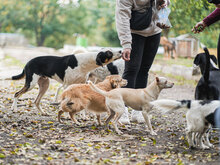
<point x="200" y="115"/>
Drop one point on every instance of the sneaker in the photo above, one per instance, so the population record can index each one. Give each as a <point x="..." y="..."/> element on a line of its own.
<point x="125" y="117"/>
<point x="136" y="116"/>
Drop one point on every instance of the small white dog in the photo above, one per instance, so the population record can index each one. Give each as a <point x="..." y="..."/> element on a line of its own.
<point x="200" y="115"/>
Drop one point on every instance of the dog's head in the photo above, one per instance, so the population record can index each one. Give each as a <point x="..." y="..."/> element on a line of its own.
<point x="200" y="62"/>
<point x="116" y="81"/>
<point x="106" y="56"/>
<point x="162" y="83"/>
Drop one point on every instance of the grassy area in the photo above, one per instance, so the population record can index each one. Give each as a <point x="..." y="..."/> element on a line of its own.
<point x="11" y="61"/>
<point x="179" y="61"/>
<point x="179" y="80"/>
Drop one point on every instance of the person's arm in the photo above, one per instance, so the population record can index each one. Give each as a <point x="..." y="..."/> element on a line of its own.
<point x="212" y="18"/>
<point x="122" y="17"/>
<point x="207" y="21"/>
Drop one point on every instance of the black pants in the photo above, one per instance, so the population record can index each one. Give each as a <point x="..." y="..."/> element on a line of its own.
<point x="143" y="52"/>
<point x="218" y="51"/>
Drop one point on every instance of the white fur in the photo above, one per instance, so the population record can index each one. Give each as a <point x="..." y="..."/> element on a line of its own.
<point x="195" y="117"/>
<point x="85" y="63"/>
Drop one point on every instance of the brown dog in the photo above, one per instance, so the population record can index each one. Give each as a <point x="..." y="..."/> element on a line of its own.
<point x="80" y="96"/>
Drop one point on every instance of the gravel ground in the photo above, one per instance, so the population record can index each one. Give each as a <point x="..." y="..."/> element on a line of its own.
<point x="26" y="137"/>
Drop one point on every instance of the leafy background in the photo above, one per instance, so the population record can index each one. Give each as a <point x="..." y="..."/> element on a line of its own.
<point x="51" y="23"/>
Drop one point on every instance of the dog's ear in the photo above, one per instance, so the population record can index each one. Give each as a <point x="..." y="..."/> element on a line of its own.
<point x="113" y="83"/>
<point x="157" y="79"/>
<point x="197" y="59"/>
<point x="99" y="59"/>
<point x="214" y="59"/>
<point x="109" y="54"/>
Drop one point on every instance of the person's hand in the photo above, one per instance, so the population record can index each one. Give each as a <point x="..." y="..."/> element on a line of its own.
<point x="126" y="54"/>
<point x="161" y="4"/>
<point x="200" y="26"/>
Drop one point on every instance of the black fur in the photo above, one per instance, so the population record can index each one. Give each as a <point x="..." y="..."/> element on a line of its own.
<point x="211" y="118"/>
<point x="102" y="57"/>
<point x="113" y="69"/>
<point x="187" y="102"/>
<point x="48" y="66"/>
<point x="203" y="102"/>
<point x="208" y="87"/>
<point x="200" y="60"/>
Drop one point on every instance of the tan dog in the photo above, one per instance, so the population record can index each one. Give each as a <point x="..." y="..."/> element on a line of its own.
<point x="138" y="99"/>
<point x="169" y="48"/>
<point x="80" y="96"/>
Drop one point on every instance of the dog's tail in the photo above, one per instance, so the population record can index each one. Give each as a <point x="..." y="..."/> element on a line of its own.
<point x="72" y="105"/>
<point x="96" y="89"/>
<point x="17" y="77"/>
<point x="168" y="106"/>
<point x="207" y="66"/>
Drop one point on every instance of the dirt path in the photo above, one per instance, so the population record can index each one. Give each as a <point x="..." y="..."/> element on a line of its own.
<point x="26" y="137"/>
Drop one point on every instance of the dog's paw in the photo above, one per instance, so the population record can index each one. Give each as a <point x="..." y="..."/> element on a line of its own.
<point x="192" y="147"/>
<point x="119" y="132"/>
<point x="45" y="113"/>
<point x="153" y="133"/>
<point x="89" y="82"/>
<point x="60" y="121"/>
<point x="77" y="123"/>
<point x="204" y="147"/>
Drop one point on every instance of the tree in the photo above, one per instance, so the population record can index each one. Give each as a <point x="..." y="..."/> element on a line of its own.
<point x="186" y="13"/>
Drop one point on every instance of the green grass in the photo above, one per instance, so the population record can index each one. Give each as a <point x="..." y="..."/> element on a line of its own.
<point x="179" y="80"/>
<point x="179" y="61"/>
<point x="11" y="61"/>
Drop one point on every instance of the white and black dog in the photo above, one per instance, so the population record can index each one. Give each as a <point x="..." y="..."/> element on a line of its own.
<point x="66" y="70"/>
<point x="200" y="115"/>
<point x="208" y="87"/>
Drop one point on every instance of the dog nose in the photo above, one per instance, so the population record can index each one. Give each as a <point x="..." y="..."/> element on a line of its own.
<point x="120" y="51"/>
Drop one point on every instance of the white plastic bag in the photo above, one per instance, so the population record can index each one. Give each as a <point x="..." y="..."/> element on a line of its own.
<point x="163" y="21"/>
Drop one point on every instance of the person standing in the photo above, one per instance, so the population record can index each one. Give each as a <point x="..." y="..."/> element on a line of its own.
<point x="139" y="46"/>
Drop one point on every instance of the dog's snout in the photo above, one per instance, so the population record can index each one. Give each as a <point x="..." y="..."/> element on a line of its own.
<point x="120" y="51"/>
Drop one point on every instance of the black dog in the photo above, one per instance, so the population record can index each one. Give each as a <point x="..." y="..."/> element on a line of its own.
<point x="201" y="60"/>
<point x="208" y="87"/>
<point x="66" y="70"/>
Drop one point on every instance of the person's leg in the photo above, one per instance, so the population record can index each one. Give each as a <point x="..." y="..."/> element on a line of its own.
<point x="217" y="121"/>
<point x="150" y="50"/>
<point x="218" y="51"/>
<point x="132" y="67"/>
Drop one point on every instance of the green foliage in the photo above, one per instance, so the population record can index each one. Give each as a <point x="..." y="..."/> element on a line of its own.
<point x="186" y="13"/>
<point x="48" y="23"/>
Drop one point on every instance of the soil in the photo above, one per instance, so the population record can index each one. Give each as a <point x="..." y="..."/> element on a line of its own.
<point x="27" y="137"/>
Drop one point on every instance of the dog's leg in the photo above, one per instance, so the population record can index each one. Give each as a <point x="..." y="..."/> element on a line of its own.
<point x="43" y="83"/>
<point x="201" y="144"/>
<point x="18" y="94"/>
<point x="57" y="93"/>
<point x="115" y="121"/>
<point x="72" y="116"/>
<point x="189" y="137"/>
<point x="207" y="139"/>
<point x="147" y="119"/>
<point x="99" y="119"/>
<point x="112" y="114"/>
<point x="59" y="115"/>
